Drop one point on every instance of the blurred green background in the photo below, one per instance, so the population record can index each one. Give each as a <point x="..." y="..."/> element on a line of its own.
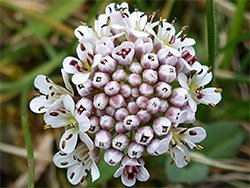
<point x="36" y="35"/>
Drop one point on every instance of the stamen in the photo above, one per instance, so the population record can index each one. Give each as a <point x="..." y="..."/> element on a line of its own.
<point x="150" y="18"/>
<point x="69" y="136"/>
<point x="209" y="69"/>
<point x="218" y="90"/>
<point x="54" y="113"/>
<point x="211" y="104"/>
<point x="199" y="147"/>
<point x="47" y="126"/>
<point x="184" y="28"/>
<point x="108" y="20"/>
<point x="82" y="47"/>
<point x="40" y="108"/>
<point x="192" y="133"/>
<point x="96" y="16"/>
<point x="183" y="131"/>
<point x="83" y="178"/>
<point x="80" y="32"/>
<point x="135" y="8"/>
<point x="63" y="144"/>
<point x="186" y="159"/>
<point x="200" y="71"/>
<point x="83" y="23"/>
<point x="64" y="163"/>
<point x="160" y="22"/>
<point x="47" y="79"/>
<point x="183" y="37"/>
<point x="71" y="175"/>
<point x="173" y="161"/>
<point x="174" y="20"/>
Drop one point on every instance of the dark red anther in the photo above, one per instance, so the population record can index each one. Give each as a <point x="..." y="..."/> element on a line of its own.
<point x="200" y="96"/>
<point x="73" y="62"/>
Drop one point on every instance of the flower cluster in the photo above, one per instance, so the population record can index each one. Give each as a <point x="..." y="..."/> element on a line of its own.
<point x="127" y="103"/>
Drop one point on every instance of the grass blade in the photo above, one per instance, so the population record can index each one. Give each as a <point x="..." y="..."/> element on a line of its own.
<point x="26" y="133"/>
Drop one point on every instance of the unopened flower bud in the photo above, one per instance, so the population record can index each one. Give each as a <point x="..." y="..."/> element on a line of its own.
<point x="143" y="46"/>
<point x="103" y="139"/>
<point x="112" y="88"/>
<point x="136" y="68"/>
<point x="125" y="90"/>
<point x="112" y="156"/>
<point x="119" y="75"/>
<point x="120" y="142"/>
<point x="84" y="107"/>
<point x="135" y="150"/>
<point x="144" y="116"/>
<point x="94" y="126"/>
<point x="116" y="101"/>
<point x="104" y="46"/>
<point x="164" y="106"/>
<point x="161" y="126"/>
<point x="153" y="105"/>
<point x="131" y="122"/>
<point x="132" y="107"/>
<point x="124" y="53"/>
<point x="85" y="88"/>
<point x="100" y="79"/>
<point x="110" y="111"/>
<point x="141" y="102"/>
<point x="146" y="89"/>
<point x="163" y="89"/>
<point x="134" y="80"/>
<point x="107" y="64"/>
<point x="150" y="76"/>
<point x="151" y="148"/>
<point x="176" y="116"/>
<point x="99" y="113"/>
<point x="166" y="58"/>
<point x="150" y="61"/>
<point x="144" y="135"/>
<point x="121" y="113"/>
<point x="100" y="101"/>
<point x="167" y="73"/>
<point x="179" y="97"/>
<point x="135" y="92"/>
<point x="107" y="122"/>
<point x="190" y="114"/>
<point x="119" y="127"/>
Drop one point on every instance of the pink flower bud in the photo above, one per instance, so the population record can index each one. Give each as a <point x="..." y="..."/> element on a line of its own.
<point x="163" y="89"/>
<point x="144" y="135"/>
<point x="120" y="142"/>
<point x="107" y="64"/>
<point x="112" y="156"/>
<point x="135" y="92"/>
<point x="153" y="105"/>
<point x="150" y="76"/>
<point x="142" y="102"/>
<point x="176" y="116"/>
<point x="110" y="111"/>
<point x="132" y="107"/>
<point x="150" y="61"/>
<point x="135" y="150"/>
<point x="116" y="101"/>
<point x="136" y="68"/>
<point x="146" y="89"/>
<point x="151" y="148"/>
<point x="125" y="90"/>
<point x="103" y="139"/>
<point x="85" y="88"/>
<point x="131" y="122"/>
<point x="130" y="99"/>
<point x="100" y="101"/>
<point x="99" y="113"/>
<point x="167" y="73"/>
<point x="144" y="116"/>
<point x="107" y="122"/>
<point x="121" y="113"/>
<point x="119" y="75"/>
<point x="124" y="53"/>
<point x="143" y="46"/>
<point x="164" y="106"/>
<point x="112" y="88"/>
<point x="166" y="58"/>
<point x="94" y="126"/>
<point x="161" y="126"/>
<point x="119" y="127"/>
<point x="84" y="107"/>
<point x="100" y="79"/>
<point x="134" y="80"/>
<point x="104" y="46"/>
<point x="179" y="97"/>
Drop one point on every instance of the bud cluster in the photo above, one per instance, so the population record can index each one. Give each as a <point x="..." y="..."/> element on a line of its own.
<point x="128" y="104"/>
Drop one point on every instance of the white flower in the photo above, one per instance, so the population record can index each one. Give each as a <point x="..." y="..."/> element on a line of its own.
<point x="195" y="86"/>
<point x="79" y="163"/>
<point x="63" y="114"/>
<point x="48" y="92"/>
<point x="81" y="68"/>
<point x="130" y="170"/>
<point x="177" y="141"/>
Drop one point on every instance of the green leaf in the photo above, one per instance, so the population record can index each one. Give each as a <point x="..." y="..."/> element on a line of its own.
<point x="223" y="140"/>
<point x="106" y="172"/>
<point x="193" y="172"/>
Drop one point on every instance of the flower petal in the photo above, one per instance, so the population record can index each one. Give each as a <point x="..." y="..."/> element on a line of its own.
<point x="74" y="174"/>
<point x="164" y="144"/>
<point x="79" y="78"/>
<point x="95" y="173"/>
<point x="69" y="103"/>
<point x="126" y="181"/>
<point x="182" y="79"/>
<point x="143" y="174"/>
<point x="181" y="152"/>
<point x="118" y="172"/>
<point x="65" y="76"/>
<point x="63" y="160"/>
<point x="68" y="141"/>
<point x="195" y="135"/>
<point x="40" y="104"/>
<point x="210" y="96"/>
<point x="69" y="68"/>
<point x="87" y="140"/>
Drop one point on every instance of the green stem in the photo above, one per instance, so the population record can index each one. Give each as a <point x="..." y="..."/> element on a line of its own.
<point x="26" y="133"/>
